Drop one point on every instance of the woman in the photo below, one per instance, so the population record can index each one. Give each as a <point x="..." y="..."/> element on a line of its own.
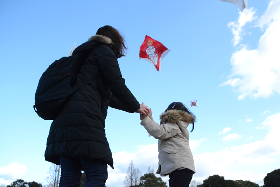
<point x="175" y="156"/>
<point x="77" y="138"/>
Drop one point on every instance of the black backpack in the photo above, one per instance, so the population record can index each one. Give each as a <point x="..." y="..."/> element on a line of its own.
<point x="56" y="84"/>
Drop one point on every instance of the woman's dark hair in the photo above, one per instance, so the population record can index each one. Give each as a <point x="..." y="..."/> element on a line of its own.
<point x="179" y="106"/>
<point x="117" y="39"/>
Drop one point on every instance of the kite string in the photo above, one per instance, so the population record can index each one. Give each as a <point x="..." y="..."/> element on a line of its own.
<point x="151" y="76"/>
<point x="151" y="81"/>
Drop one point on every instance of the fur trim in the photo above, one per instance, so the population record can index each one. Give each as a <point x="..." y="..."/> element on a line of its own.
<point x="174" y="116"/>
<point x="101" y="38"/>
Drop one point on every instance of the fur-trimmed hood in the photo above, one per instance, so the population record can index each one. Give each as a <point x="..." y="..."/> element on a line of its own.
<point x="101" y="39"/>
<point x="174" y="116"/>
<point x="92" y="42"/>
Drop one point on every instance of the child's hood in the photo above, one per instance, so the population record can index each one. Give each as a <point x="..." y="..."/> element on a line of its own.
<point x="174" y="116"/>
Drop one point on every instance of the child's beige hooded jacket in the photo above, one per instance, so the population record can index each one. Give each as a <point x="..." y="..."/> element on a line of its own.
<point x="173" y="140"/>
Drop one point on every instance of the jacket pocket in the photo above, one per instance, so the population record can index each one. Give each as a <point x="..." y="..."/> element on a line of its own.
<point x="171" y="150"/>
<point x="168" y="159"/>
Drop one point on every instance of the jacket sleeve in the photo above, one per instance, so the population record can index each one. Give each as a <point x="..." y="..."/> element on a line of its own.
<point x="109" y="67"/>
<point x="115" y="103"/>
<point x="163" y="131"/>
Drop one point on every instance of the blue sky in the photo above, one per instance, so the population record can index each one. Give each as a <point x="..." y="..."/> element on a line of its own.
<point x="227" y="60"/>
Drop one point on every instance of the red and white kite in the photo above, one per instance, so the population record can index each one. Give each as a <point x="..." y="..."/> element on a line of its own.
<point x="241" y="4"/>
<point x="153" y="51"/>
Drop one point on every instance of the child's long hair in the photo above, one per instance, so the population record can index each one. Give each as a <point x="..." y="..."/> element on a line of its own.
<point x="179" y="106"/>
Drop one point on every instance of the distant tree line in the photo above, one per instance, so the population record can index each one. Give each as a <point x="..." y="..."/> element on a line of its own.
<point x="272" y="179"/>
<point x="219" y="181"/>
<point x="22" y="183"/>
<point x="135" y="179"/>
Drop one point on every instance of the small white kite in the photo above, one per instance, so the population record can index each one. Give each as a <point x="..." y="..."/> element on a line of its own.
<point x="194" y="103"/>
<point x="241" y="4"/>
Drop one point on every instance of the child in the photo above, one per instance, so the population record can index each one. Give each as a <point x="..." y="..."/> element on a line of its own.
<point x="175" y="156"/>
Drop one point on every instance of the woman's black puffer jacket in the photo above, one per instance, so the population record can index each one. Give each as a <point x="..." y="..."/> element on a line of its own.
<point x="79" y="130"/>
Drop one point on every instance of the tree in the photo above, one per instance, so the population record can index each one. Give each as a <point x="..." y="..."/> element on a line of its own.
<point x="200" y="185"/>
<point x="132" y="177"/>
<point x="54" y="176"/>
<point x="241" y="183"/>
<point x="22" y="183"/>
<point x="18" y="183"/>
<point x="194" y="183"/>
<point x="272" y="179"/>
<point x="219" y="181"/>
<point x="150" y="170"/>
<point x="216" y="180"/>
<point x="34" y="184"/>
<point x="150" y="180"/>
<point x="231" y="183"/>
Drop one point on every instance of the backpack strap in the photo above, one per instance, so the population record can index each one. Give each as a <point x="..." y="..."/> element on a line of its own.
<point x="78" y="86"/>
<point x="79" y="60"/>
<point x="78" y="66"/>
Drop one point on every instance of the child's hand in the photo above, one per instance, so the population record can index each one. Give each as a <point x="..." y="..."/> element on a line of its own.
<point x="150" y="112"/>
<point x="142" y="116"/>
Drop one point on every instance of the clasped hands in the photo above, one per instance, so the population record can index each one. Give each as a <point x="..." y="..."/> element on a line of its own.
<point x="144" y="111"/>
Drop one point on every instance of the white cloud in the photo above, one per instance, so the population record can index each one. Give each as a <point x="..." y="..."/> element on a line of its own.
<point x="272" y="123"/>
<point x="272" y="13"/>
<point x="196" y="143"/>
<point x="226" y="148"/>
<point x="231" y="137"/>
<point x="146" y="156"/>
<point x="5" y="182"/>
<point x="249" y="120"/>
<point x="265" y="112"/>
<point x="256" y="72"/>
<point x="115" y="179"/>
<point x="258" y="153"/>
<point x="11" y="172"/>
<point x="225" y="130"/>
<point x="237" y="27"/>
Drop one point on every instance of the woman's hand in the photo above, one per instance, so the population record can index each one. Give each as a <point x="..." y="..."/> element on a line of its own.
<point x="142" y="116"/>
<point x="143" y="110"/>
